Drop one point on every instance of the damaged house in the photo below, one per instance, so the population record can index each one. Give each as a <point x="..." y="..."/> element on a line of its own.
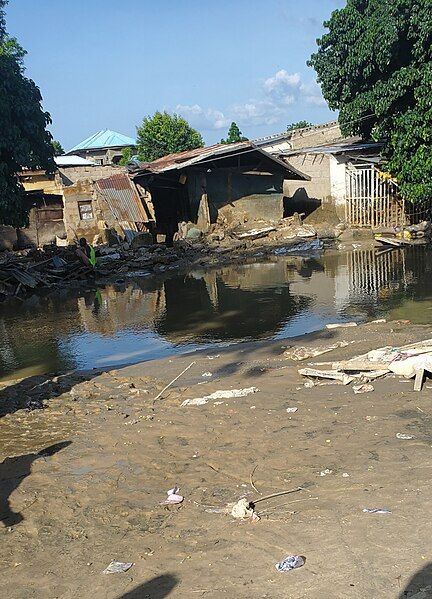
<point x="345" y="179"/>
<point x="233" y="183"/>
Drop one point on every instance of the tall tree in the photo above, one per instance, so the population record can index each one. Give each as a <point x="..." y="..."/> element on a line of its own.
<point x="164" y="134"/>
<point x="234" y="135"/>
<point x="299" y="125"/>
<point x="58" y="148"/>
<point x="375" y="66"/>
<point x="24" y="140"/>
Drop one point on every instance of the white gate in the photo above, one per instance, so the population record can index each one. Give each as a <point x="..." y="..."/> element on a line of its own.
<point x="371" y="199"/>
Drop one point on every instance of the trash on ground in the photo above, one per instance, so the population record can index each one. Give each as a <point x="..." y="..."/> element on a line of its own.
<point x="404" y="436"/>
<point x="290" y="563"/>
<point x="228" y="394"/>
<point x="341" y="325"/>
<point x="116" y="567"/>
<point x="304" y="353"/>
<point x="409" y="361"/>
<point x="376" y="510"/>
<point x="207" y="374"/>
<point x="325" y="472"/>
<point x="365" y="388"/>
<point x="243" y="509"/>
<point x="173" y="497"/>
<point x="345" y="379"/>
<point x="291" y="410"/>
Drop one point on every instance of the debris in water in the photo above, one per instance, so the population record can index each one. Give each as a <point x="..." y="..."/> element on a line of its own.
<point x="228" y="394"/>
<point x="290" y="563"/>
<point x="116" y="567"/>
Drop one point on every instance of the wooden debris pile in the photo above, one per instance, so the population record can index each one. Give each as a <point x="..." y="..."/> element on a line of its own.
<point x="403" y="236"/>
<point x="26" y="271"/>
<point x="409" y="361"/>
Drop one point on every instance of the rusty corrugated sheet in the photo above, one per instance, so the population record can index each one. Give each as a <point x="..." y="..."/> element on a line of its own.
<point x="122" y="198"/>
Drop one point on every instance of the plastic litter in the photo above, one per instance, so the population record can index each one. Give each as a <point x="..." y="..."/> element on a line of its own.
<point x="404" y="436"/>
<point x="116" y="567"/>
<point x="242" y="509"/>
<point x="228" y="394"/>
<point x="376" y="510"/>
<point x="207" y="374"/>
<point x="325" y="472"/>
<point x="291" y="410"/>
<point x="292" y="562"/>
<point x="173" y="497"/>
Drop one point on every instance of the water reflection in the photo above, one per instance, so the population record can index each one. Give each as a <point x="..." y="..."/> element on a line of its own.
<point x="154" y="317"/>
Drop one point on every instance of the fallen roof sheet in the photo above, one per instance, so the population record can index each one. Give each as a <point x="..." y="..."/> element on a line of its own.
<point x="104" y="139"/>
<point x="182" y="160"/>
<point x="122" y="198"/>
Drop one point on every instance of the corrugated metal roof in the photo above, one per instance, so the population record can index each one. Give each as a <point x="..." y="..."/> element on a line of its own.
<point x="122" y="198"/>
<point x="72" y="161"/>
<point x="340" y="148"/>
<point x="182" y="160"/>
<point x="270" y="139"/>
<point x="104" y="139"/>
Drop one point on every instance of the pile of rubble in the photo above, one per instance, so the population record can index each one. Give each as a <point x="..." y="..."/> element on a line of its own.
<point x="409" y="361"/>
<point x="27" y="270"/>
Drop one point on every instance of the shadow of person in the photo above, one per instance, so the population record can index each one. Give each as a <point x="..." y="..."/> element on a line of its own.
<point x="12" y="472"/>
<point x="420" y="585"/>
<point x="156" y="588"/>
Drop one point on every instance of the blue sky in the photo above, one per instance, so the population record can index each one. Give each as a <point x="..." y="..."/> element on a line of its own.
<point x="107" y="63"/>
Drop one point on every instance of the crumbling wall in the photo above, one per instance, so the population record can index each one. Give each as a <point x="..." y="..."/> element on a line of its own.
<point x="244" y="197"/>
<point x="73" y="174"/>
<point x="307" y="196"/>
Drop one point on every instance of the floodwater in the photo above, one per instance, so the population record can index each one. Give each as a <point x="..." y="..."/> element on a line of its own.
<point x="153" y="317"/>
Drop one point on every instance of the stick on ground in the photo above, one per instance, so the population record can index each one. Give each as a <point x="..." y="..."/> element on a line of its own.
<point x="173" y="381"/>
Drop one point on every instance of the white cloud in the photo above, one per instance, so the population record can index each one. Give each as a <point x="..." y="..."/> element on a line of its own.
<point x="275" y="95"/>
<point x="203" y="118"/>
<point x="281" y="80"/>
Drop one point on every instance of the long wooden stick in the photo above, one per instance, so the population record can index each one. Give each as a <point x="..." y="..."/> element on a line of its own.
<point x="278" y="494"/>
<point x="173" y="381"/>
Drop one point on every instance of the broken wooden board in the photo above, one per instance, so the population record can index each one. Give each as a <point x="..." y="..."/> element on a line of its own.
<point x="345" y="379"/>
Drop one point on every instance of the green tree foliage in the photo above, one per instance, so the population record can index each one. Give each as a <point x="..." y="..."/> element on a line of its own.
<point x="127" y="154"/>
<point x="234" y="135"/>
<point x="165" y="134"/>
<point x="24" y="140"/>
<point x="375" y="66"/>
<point x="299" y="125"/>
<point x="58" y="148"/>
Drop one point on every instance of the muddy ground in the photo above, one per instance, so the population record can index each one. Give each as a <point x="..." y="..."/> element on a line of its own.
<point x="81" y="481"/>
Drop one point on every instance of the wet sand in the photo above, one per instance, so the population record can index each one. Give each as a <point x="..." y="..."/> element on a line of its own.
<point x="67" y="510"/>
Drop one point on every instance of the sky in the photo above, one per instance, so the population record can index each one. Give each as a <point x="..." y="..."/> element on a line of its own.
<point x="107" y="64"/>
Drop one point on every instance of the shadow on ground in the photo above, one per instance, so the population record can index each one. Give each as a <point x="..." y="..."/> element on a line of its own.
<point x="420" y="585"/>
<point x="31" y="392"/>
<point x="12" y="472"/>
<point x="156" y="588"/>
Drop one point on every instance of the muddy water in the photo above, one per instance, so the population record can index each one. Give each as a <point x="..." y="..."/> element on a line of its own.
<point x="153" y="317"/>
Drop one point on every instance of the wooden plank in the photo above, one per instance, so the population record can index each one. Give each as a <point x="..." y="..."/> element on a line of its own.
<point x="327" y="374"/>
<point x="418" y="382"/>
